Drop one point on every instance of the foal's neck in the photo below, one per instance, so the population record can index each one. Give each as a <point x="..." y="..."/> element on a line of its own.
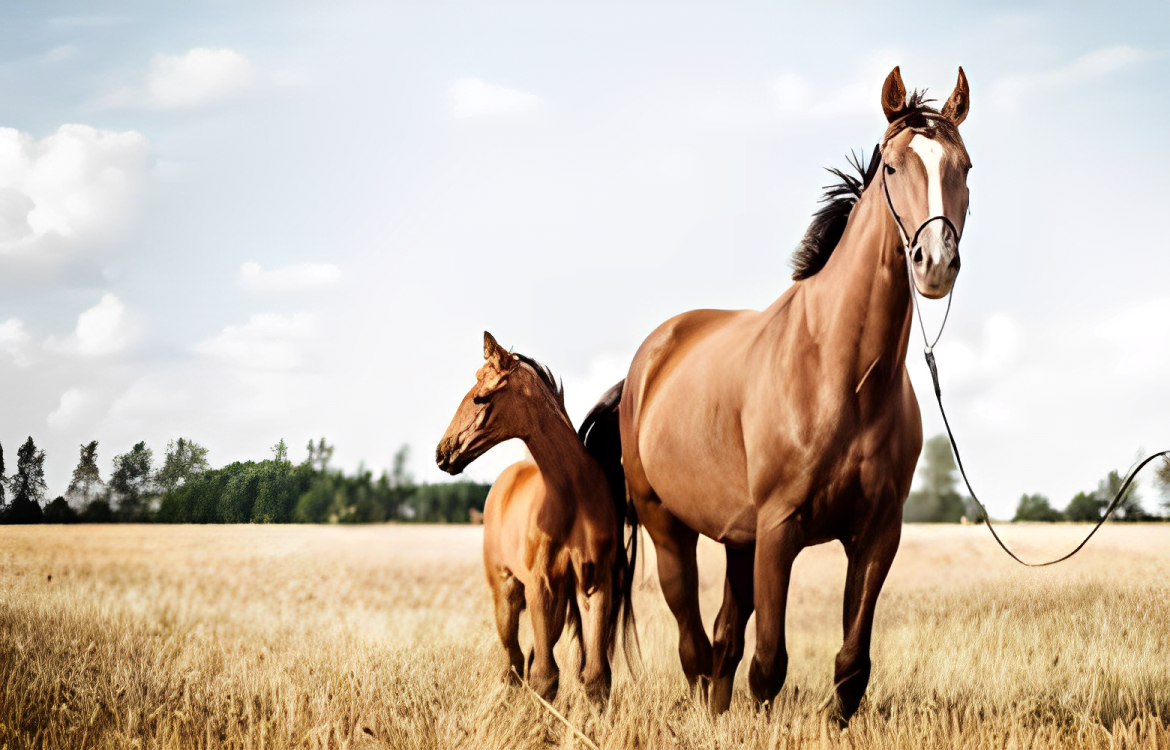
<point x="555" y="447"/>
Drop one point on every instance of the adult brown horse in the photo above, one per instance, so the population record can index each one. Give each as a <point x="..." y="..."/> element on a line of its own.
<point x="552" y="529"/>
<point x="772" y="431"/>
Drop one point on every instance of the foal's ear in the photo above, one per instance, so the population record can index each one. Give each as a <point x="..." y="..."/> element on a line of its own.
<point x="494" y="353"/>
<point x="959" y="104"/>
<point x="894" y="95"/>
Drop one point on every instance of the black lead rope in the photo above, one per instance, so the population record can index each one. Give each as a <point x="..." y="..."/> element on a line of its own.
<point x="928" y="351"/>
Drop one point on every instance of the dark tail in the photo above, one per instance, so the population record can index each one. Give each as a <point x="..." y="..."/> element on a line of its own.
<point x="601" y="434"/>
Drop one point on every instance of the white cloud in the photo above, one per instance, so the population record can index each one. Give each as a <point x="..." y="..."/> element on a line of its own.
<point x="292" y="278"/>
<point x="59" y="54"/>
<point x="1093" y="66"/>
<point x="471" y="97"/>
<point x="265" y="342"/>
<point x="1139" y="338"/>
<point x="102" y="330"/>
<point x="13" y="340"/>
<point x="72" y="404"/>
<point x="199" y="77"/>
<point x="797" y="97"/>
<point x="78" y="183"/>
<point x="146" y="398"/>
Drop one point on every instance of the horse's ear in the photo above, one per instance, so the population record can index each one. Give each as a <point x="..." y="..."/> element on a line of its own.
<point x="493" y="352"/>
<point x="959" y="104"/>
<point x="894" y="95"/>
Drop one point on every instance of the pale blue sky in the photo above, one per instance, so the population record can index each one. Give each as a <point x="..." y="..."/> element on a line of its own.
<point x="238" y="223"/>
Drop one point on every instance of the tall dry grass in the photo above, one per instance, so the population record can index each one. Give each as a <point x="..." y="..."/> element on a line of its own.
<point x="155" y="636"/>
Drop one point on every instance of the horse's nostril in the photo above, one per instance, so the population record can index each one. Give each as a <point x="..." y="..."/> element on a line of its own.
<point x="918" y="255"/>
<point x="955" y="262"/>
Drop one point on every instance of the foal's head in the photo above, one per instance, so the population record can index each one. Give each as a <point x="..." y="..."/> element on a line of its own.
<point x="510" y="395"/>
<point x="924" y="178"/>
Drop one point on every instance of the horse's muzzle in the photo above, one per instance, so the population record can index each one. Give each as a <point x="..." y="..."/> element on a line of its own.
<point x="445" y="459"/>
<point x="934" y="257"/>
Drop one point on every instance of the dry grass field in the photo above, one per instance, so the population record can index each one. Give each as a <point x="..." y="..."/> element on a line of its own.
<point x="262" y="636"/>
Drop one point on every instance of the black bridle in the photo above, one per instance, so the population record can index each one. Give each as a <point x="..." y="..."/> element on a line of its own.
<point x="928" y="351"/>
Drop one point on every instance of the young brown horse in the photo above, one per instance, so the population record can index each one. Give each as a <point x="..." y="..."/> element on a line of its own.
<point x="772" y="431"/>
<point x="552" y="530"/>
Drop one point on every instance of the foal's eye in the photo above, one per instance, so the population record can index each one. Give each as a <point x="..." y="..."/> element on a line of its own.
<point x="482" y="399"/>
<point x="890" y="170"/>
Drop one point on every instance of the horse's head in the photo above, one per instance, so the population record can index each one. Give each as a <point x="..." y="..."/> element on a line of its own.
<point x="924" y="178"/>
<point x="511" y="395"/>
<point x="484" y="417"/>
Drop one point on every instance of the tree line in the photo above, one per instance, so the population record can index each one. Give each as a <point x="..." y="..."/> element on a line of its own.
<point x="938" y="499"/>
<point x="186" y="489"/>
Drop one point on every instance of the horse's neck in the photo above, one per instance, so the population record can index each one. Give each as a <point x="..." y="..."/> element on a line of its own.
<point x="557" y="450"/>
<point x="860" y="301"/>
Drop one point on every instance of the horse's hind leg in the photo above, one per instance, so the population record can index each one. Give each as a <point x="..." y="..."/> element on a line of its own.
<point x="738" y="602"/>
<point x="678" y="575"/>
<point x="870" y="558"/>
<point x="508" y="595"/>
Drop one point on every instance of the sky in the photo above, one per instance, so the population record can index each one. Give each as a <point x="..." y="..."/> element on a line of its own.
<point x="239" y="223"/>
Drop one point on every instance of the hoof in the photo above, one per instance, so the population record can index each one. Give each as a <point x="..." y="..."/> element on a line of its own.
<point x="597" y="690"/>
<point x="835" y="711"/>
<point x="546" y="688"/>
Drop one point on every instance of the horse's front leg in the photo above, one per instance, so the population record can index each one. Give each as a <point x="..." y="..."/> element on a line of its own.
<point x="778" y="541"/>
<point x="870" y="557"/>
<point x="546" y="608"/>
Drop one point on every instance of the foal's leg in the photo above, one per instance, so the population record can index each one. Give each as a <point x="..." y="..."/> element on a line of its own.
<point x="869" y="561"/>
<point x="508" y="595"/>
<point x="546" y="608"/>
<point x="595" y="607"/>
<point x="777" y="544"/>
<point x="678" y="574"/>
<point x="738" y="602"/>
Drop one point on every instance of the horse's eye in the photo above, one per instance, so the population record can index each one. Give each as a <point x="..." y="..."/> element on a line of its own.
<point x="890" y="170"/>
<point x="481" y="399"/>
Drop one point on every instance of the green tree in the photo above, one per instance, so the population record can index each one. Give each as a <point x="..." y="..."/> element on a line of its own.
<point x="239" y="493"/>
<point x="938" y="499"/>
<point x="59" y="511"/>
<point x="27" y="485"/>
<point x="98" y="511"/>
<point x="279" y="487"/>
<point x="87" y="479"/>
<point x="131" y="481"/>
<point x="394" y="489"/>
<point x="1130" y="508"/>
<point x="315" y="503"/>
<point x="3" y="482"/>
<point x="280" y="452"/>
<point x="185" y="459"/>
<point x="320" y="455"/>
<point x="1086" y="506"/>
<point x="1035" y="508"/>
<point x="1161" y="479"/>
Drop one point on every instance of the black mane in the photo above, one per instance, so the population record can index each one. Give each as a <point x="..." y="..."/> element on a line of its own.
<point x="829" y="221"/>
<point x="546" y="377"/>
<point x="828" y="224"/>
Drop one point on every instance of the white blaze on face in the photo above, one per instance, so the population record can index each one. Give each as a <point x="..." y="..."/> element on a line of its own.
<point x="930" y="152"/>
